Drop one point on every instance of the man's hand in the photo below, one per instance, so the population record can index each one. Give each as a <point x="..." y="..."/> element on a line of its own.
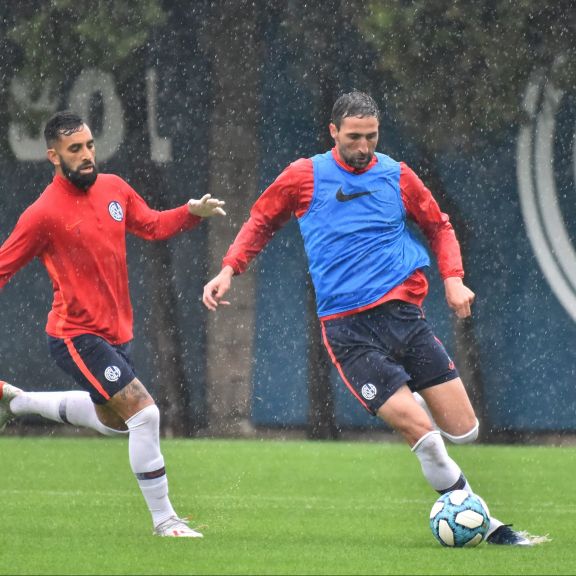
<point x="206" y="206"/>
<point x="459" y="296"/>
<point x="217" y="287"/>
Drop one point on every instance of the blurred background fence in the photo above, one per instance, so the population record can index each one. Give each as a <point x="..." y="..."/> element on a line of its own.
<point x="186" y="98"/>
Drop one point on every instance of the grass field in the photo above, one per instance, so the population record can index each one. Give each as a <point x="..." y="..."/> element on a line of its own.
<point x="71" y="506"/>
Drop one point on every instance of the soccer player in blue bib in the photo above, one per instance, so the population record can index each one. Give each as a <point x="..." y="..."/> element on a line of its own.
<point x="352" y="205"/>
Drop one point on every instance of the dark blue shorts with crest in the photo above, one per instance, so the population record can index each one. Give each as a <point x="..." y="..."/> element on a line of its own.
<point x="380" y="349"/>
<point x="99" y="367"/>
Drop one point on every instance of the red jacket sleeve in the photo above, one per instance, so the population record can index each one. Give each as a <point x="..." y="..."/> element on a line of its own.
<point x="424" y="210"/>
<point x="289" y="194"/>
<point x="24" y="243"/>
<point x="143" y="221"/>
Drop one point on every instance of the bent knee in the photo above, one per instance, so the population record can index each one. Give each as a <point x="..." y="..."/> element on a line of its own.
<point x="465" y="438"/>
<point x="147" y="417"/>
<point x="130" y="400"/>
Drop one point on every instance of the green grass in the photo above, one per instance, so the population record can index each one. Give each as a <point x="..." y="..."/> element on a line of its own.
<point x="71" y="506"/>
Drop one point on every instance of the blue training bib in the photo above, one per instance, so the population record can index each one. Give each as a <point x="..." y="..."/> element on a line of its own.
<point x="355" y="235"/>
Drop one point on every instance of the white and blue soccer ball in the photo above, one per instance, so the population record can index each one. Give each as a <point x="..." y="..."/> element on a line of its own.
<point x="459" y="519"/>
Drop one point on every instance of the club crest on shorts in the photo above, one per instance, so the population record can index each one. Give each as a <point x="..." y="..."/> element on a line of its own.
<point x="369" y="391"/>
<point x="112" y="373"/>
<point x="116" y="211"/>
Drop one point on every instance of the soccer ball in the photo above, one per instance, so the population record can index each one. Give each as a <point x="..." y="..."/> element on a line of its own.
<point x="459" y="519"/>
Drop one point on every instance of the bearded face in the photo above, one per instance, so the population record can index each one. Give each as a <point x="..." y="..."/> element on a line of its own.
<point x="82" y="177"/>
<point x="356" y="140"/>
<point x="73" y="154"/>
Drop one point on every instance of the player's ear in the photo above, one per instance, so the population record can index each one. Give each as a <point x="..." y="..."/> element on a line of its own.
<point x="333" y="129"/>
<point x="53" y="157"/>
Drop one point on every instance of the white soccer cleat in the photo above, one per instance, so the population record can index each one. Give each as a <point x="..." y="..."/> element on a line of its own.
<point x="504" y="535"/>
<point x="7" y="393"/>
<point x="176" y="527"/>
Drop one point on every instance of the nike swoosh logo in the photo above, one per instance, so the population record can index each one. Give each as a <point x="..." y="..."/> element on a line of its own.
<point x="341" y="197"/>
<point x="72" y="226"/>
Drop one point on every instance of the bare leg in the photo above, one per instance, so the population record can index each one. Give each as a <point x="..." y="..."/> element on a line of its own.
<point x="124" y="404"/>
<point x="450" y="407"/>
<point x="406" y="416"/>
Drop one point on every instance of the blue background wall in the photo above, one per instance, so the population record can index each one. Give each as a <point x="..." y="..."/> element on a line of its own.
<point x="526" y="336"/>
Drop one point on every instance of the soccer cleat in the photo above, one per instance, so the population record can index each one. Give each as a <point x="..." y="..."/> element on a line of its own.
<point x="504" y="535"/>
<point x="7" y="393"/>
<point x="176" y="527"/>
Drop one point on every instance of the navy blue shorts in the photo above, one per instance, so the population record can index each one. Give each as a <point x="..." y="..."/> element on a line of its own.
<point x="97" y="366"/>
<point x="379" y="350"/>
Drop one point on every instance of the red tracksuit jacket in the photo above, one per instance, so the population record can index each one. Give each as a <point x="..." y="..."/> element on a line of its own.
<point x="80" y="237"/>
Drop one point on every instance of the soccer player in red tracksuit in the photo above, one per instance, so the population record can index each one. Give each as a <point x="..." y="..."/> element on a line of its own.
<point x="77" y="228"/>
<point x="351" y="204"/>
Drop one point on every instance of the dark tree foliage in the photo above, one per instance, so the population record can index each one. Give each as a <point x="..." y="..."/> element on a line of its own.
<point x="61" y="36"/>
<point x="53" y="41"/>
<point x="457" y="69"/>
<point x="454" y="74"/>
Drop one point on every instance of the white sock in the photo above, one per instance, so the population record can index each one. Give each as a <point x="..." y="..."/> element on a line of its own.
<point x="70" y="407"/>
<point x="46" y="404"/>
<point x="147" y="462"/>
<point x="441" y="471"/>
<point x="78" y="409"/>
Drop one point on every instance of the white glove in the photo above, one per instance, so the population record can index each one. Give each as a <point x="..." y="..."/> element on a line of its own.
<point x="206" y="206"/>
